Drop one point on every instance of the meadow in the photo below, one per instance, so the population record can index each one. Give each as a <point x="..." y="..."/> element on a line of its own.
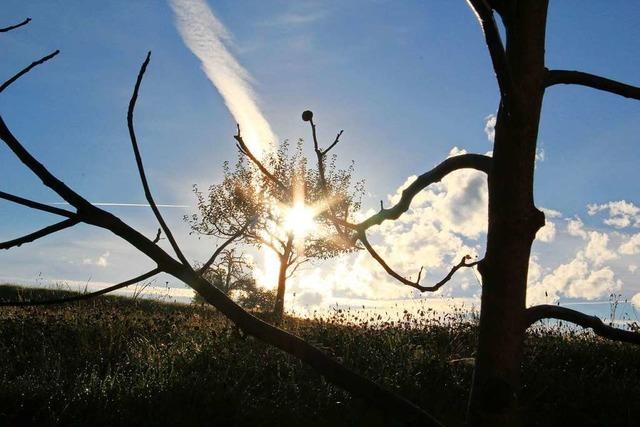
<point x="118" y="361"/>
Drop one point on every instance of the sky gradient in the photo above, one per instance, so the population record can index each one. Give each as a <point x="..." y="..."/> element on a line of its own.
<point x="410" y="83"/>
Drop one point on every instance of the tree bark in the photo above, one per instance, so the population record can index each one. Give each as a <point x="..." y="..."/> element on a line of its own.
<point x="513" y="221"/>
<point x="278" y="309"/>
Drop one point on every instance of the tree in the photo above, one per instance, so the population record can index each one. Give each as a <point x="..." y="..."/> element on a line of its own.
<point x="280" y="206"/>
<point x="512" y="224"/>
<point x="232" y="273"/>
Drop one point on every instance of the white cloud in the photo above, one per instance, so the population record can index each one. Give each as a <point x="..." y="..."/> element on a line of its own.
<point x="621" y="213"/>
<point x="547" y="233"/>
<point x="635" y="300"/>
<point x="490" y="127"/>
<point x="207" y="37"/>
<point x="551" y="213"/>
<point x="597" y="249"/>
<point x="632" y="268"/>
<point x="631" y="246"/>
<point x="101" y="261"/>
<point x="575" y="227"/>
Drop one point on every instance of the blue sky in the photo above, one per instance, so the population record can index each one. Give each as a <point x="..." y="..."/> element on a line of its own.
<point x="407" y="81"/>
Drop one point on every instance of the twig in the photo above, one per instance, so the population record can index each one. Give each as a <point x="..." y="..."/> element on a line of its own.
<point x="554" y="77"/>
<point x="414" y="284"/>
<point x="27" y="69"/>
<point x="143" y="177"/>
<point x="36" y="205"/>
<point x="244" y="149"/>
<point x="13" y="27"/>
<point x="67" y="223"/>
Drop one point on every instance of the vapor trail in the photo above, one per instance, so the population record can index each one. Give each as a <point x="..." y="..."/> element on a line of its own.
<point x="206" y="36"/>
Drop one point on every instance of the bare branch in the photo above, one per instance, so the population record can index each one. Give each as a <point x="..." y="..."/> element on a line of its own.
<point x="320" y="155"/>
<point x="35" y="205"/>
<point x="143" y="177"/>
<point x="465" y="161"/>
<point x="414" y="284"/>
<point x="158" y="234"/>
<point x="40" y="233"/>
<point x="554" y="77"/>
<point x="82" y="297"/>
<point x="539" y="312"/>
<point x="463" y="263"/>
<point x="484" y="13"/>
<point x="27" y="69"/>
<point x="333" y="144"/>
<point x="244" y="149"/>
<point x="13" y="27"/>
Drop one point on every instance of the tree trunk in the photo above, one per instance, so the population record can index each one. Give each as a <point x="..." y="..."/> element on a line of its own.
<point x="513" y="221"/>
<point x="278" y="309"/>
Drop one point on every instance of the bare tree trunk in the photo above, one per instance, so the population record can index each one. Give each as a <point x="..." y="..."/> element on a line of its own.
<point x="513" y="221"/>
<point x="278" y="310"/>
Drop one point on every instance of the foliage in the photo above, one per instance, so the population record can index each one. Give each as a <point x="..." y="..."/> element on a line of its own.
<point x="115" y="361"/>
<point x="246" y="196"/>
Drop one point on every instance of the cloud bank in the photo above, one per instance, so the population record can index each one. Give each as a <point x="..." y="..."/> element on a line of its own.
<point x="207" y="38"/>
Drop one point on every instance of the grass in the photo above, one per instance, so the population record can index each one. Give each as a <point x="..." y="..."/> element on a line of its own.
<point x="115" y="361"/>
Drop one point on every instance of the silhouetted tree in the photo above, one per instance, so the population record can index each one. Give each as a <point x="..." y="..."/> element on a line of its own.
<point x="232" y="273"/>
<point x="275" y="205"/>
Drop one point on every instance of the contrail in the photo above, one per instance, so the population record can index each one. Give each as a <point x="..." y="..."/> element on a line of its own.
<point x="127" y="205"/>
<point x="206" y="36"/>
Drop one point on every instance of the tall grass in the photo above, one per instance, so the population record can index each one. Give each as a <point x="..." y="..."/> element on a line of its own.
<point x="115" y="361"/>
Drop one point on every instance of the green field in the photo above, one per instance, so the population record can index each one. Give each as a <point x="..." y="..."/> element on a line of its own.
<point x="115" y="361"/>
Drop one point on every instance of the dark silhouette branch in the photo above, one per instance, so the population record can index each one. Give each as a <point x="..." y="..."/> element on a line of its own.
<point x="82" y="297"/>
<point x="539" y="312"/>
<point x="27" y="69"/>
<point x="13" y="27"/>
<point x="321" y="155"/>
<point x="158" y="234"/>
<point x="333" y="144"/>
<point x="67" y="223"/>
<point x="325" y="365"/>
<point x="484" y="13"/>
<point x="244" y="149"/>
<point x="143" y="177"/>
<point x="414" y="284"/>
<point x="554" y="77"/>
<point x="464" y="161"/>
<point x="36" y="205"/>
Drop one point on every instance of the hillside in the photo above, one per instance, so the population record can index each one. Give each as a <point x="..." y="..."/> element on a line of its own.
<point x="116" y="361"/>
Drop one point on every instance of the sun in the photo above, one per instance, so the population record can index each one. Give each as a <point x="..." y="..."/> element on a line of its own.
<point x="299" y="220"/>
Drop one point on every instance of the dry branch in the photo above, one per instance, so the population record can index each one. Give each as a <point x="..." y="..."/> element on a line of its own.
<point x="27" y="69"/>
<point x="464" y="161"/>
<point x="539" y="312"/>
<point x="244" y="149"/>
<point x="554" y="77"/>
<point x="36" y="205"/>
<point x="143" y="177"/>
<point x="484" y="13"/>
<point x="13" y="27"/>
<point x="414" y="284"/>
<point x="67" y="223"/>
